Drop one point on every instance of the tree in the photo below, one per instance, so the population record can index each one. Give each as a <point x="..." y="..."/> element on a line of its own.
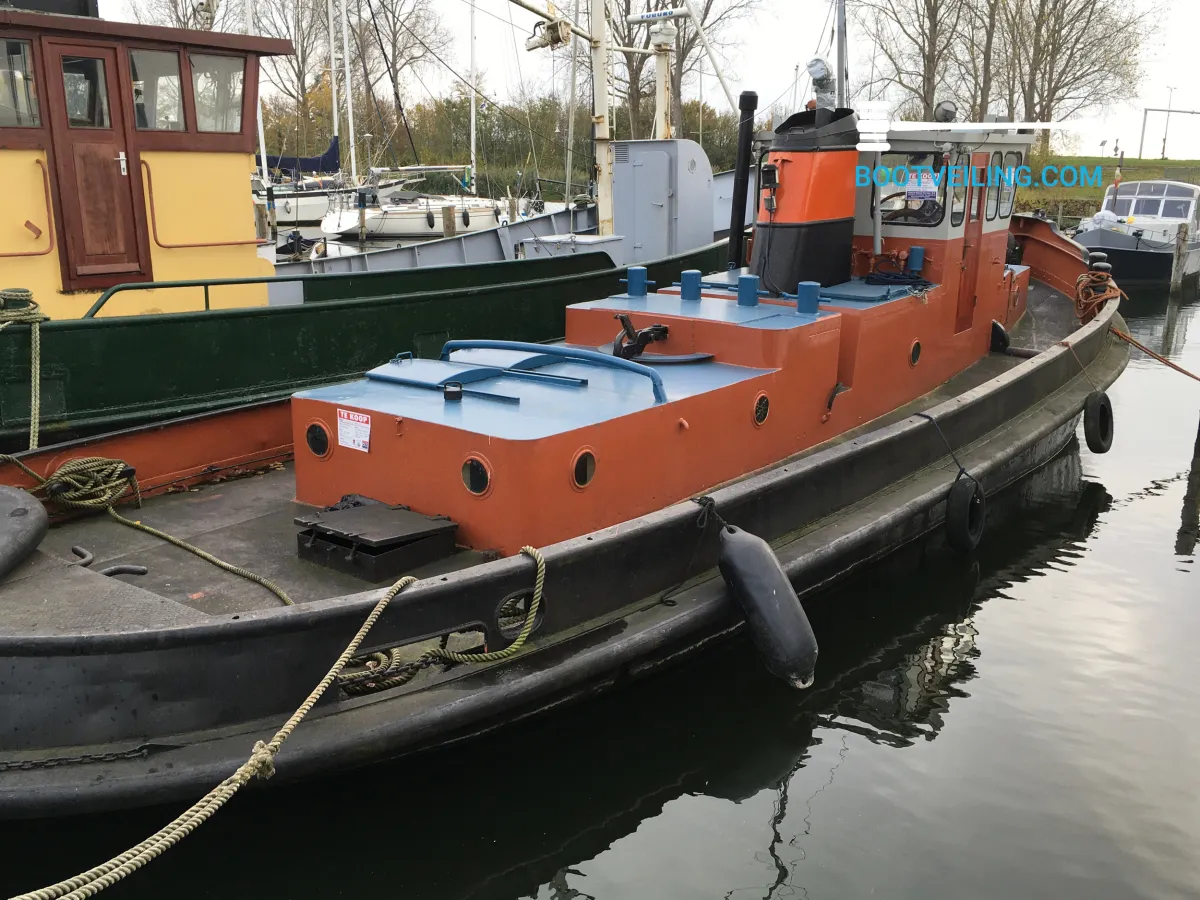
<point x="915" y="40"/>
<point x="302" y="22"/>
<point x="216" y="16"/>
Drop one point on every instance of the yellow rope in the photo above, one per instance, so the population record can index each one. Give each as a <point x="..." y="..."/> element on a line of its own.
<point x="30" y="314"/>
<point x="261" y="764"/>
<point x="94" y="482"/>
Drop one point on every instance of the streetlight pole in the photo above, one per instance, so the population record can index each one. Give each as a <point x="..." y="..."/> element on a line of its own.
<point x="1170" y="95"/>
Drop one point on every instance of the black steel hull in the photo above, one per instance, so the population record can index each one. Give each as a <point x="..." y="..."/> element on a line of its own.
<point x="233" y="682"/>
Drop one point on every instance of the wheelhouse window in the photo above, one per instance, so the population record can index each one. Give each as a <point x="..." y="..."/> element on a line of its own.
<point x="958" y="204"/>
<point x="1176" y="209"/>
<point x="993" y="191"/>
<point x="86" y="87"/>
<point x="1008" y="185"/>
<point x="18" y="88"/>
<point x="157" y="95"/>
<point x="920" y="201"/>
<point x="1151" y="189"/>
<point x="217" y="83"/>
<point x="1146" y="206"/>
<point x="1120" y="201"/>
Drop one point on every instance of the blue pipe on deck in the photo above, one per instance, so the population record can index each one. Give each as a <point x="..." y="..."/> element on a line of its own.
<point x="916" y="259"/>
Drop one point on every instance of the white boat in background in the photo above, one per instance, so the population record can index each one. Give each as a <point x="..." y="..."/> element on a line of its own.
<point x="1150" y="231"/>
<point x="411" y="215"/>
<point x="300" y="203"/>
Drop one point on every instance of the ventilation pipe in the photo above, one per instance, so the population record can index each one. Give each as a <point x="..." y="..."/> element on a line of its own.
<point x="747" y="105"/>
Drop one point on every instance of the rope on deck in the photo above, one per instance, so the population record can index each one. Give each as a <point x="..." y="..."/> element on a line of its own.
<point x="16" y="305"/>
<point x="261" y="763"/>
<point x="94" y="482"/>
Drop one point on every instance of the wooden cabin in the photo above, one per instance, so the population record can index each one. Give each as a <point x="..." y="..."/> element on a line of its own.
<point x="127" y="152"/>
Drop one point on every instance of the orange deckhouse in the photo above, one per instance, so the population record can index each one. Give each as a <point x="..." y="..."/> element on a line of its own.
<point x="128" y="150"/>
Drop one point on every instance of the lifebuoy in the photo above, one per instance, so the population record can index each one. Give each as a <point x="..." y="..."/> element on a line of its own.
<point x="1098" y="422"/>
<point x="966" y="513"/>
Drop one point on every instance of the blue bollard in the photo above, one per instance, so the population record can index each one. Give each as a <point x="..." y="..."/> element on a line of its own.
<point x="916" y="259"/>
<point x="808" y="297"/>
<point x="635" y="284"/>
<point x="747" y="290"/>
<point x="689" y="284"/>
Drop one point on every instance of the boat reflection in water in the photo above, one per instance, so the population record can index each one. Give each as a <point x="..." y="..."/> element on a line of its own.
<point x="898" y="647"/>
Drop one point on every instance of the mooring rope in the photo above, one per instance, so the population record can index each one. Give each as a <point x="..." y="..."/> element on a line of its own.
<point x="94" y="482"/>
<point x="261" y="763"/>
<point x="28" y="313"/>
<point x="391" y="671"/>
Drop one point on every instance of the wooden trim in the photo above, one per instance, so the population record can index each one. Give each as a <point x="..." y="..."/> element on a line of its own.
<point x="74" y="27"/>
<point x="154" y="224"/>
<point x="49" y="217"/>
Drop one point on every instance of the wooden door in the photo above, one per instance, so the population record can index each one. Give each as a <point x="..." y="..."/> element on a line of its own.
<point x="972" y="235"/>
<point x="96" y="176"/>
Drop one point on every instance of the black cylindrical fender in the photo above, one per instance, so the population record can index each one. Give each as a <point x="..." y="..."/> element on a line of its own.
<point x="23" y="524"/>
<point x="778" y="624"/>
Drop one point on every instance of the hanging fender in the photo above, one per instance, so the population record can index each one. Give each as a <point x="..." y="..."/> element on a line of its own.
<point x="429" y="220"/>
<point x="466" y="217"/>
<point x="778" y="624"/>
<point x="1098" y="422"/>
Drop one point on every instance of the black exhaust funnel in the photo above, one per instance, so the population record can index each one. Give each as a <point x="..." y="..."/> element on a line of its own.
<point x="747" y="103"/>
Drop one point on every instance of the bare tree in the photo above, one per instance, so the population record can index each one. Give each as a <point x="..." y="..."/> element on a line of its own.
<point x="303" y="23"/>
<point x="716" y="17"/>
<point x="916" y="40"/>
<point x="217" y="16"/>
<point x="974" y="58"/>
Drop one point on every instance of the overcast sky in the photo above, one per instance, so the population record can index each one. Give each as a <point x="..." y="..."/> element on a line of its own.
<point x="784" y="33"/>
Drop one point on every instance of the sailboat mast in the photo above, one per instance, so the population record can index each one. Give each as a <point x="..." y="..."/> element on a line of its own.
<point x="842" y="62"/>
<point x="349" y="94"/>
<point x="474" y="96"/>
<point x="571" y="111"/>
<point x="332" y="65"/>
<point x="604" y="192"/>
<point x="262" y="143"/>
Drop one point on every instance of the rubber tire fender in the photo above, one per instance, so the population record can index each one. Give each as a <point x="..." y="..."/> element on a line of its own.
<point x="966" y="514"/>
<point x="1098" y="422"/>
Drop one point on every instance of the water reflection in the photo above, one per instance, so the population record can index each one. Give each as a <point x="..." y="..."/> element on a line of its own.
<point x="516" y="814"/>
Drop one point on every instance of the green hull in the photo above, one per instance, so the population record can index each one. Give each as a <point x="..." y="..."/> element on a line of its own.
<point x="101" y="374"/>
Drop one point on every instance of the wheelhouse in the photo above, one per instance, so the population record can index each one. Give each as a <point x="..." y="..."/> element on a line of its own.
<point x="1169" y="200"/>
<point x="126" y="149"/>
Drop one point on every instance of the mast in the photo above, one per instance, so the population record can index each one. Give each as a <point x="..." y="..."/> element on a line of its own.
<point x="262" y="143"/>
<point x="349" y="94"/>
<point x="842" y="62"/>
<point x="604" y="192"/>
<point x="332" y="67"/>
<point x="571" y="111"/>
<point x="474" y="95"/>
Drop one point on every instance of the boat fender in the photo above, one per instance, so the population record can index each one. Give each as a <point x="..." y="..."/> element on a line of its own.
<point x="466" y="217"/>
<point x="496" y="212"/>
<point x="966" y="513"/>
<point x="429" y="217"/>
<point x="1098" y="422"/>
<point x="23" y="524"/>
<point x="778" y="625"/>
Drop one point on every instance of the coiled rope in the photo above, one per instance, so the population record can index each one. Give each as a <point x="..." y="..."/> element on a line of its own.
<point x="16" y="305"/>
<point x="391" y="671"/>
<point x="94" y="482"/>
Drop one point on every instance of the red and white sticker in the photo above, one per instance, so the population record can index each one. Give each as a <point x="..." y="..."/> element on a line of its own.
<point x="354" y="430"/>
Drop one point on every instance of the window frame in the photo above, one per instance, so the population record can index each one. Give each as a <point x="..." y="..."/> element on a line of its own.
<point x="29" y="137"/>
<point x="205" y="51"/>
<point x="943" y="191"/>
<point x="962" y="163"/>
<point x="38" y="86"/>
<point x="1147" y="199"/>
<point x="992" y="202"/>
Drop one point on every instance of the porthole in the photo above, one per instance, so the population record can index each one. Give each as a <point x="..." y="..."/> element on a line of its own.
<point x="317" y="439"/>
<point x="475" y="476"/>
<point x="914" y="353"/>
<point x="583" y="469"/>
<point x="762" y="409"/>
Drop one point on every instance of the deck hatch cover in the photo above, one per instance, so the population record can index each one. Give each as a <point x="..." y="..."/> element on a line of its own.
<point x="373" y="541"/>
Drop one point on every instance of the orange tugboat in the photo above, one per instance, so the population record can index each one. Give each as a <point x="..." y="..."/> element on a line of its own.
<point x="868" y="379"/>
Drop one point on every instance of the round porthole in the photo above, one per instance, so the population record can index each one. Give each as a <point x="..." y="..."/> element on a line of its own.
<point x="475" y="476"/>
<point x="762" y="408"/>
<point x="583" y="470"/>
<point x="317" y="439"/>
<point x="914" y="353"/>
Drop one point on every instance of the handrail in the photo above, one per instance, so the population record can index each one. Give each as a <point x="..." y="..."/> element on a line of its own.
<point x="154" y="224"/>
<point x="591" y="356"/>
<point x="49" y="218"/>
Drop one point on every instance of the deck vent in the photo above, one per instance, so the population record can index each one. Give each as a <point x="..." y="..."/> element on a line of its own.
<point x="620" y="153"/>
